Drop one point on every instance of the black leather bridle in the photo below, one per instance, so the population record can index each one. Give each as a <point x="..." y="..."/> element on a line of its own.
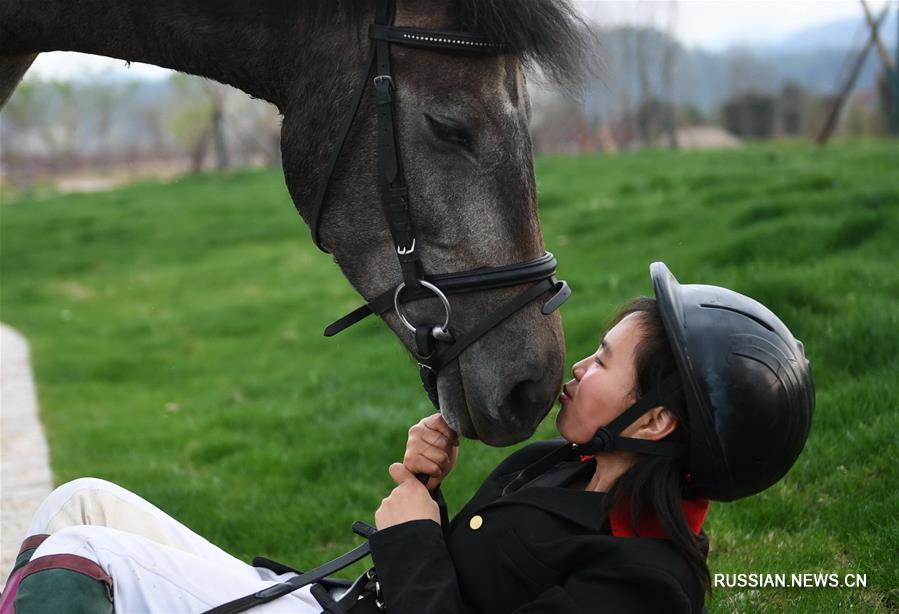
<point x="416" y="284"/>
<point x="436" y="344"/>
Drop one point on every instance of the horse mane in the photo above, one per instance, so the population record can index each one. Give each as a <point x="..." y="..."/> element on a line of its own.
<point x="546" y="34"/>
<point x="549" y="35"/>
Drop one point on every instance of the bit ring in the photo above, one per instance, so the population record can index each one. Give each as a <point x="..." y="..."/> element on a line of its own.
<point x="438" y="330"/>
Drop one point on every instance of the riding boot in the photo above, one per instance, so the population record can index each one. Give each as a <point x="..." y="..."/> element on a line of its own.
<point x="26" y="551"/>
<point x="58" y="584"/>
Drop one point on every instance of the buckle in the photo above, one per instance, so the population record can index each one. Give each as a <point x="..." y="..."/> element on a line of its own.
<point x="383" y="87"/>
<point x="379" y="79"/>
<point x="379" y="596"/>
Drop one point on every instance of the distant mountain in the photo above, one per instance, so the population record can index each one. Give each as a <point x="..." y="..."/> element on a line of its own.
<point x="841" y="34"/>
<point x="706" y="78"/>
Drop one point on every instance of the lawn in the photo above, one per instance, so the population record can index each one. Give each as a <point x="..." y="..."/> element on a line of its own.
<point x="176" y="339"/>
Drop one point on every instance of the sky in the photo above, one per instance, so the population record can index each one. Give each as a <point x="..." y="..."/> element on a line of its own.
<point x="718" y="24"/>
<point x="712" y="24"/>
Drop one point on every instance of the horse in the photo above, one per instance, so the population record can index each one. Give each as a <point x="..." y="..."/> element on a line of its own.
<point x="462" y="129"/>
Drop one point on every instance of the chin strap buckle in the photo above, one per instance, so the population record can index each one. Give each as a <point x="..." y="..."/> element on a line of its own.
<point x="603" y="441"/>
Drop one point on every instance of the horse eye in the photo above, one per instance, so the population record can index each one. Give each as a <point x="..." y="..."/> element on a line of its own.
<point x="449" y="130"/>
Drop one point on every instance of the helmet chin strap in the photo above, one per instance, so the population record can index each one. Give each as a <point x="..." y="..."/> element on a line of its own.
<point x="608" y="438"/>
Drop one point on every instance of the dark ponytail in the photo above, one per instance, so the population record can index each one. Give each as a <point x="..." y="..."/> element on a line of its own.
<point x="657" y="483"/>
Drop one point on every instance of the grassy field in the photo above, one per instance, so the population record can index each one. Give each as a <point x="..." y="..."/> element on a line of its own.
<point x="176" y="337"/>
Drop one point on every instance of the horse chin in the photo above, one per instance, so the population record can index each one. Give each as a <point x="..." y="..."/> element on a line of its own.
<point x="501" y="434"/>
<point x="471" y="423"/>
<point x="454" y="407"/>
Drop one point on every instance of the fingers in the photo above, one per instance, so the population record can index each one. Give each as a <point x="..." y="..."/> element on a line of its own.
<point x="432" y="432"/>
<point x="400" y="474"/>
<point x="408" y="501"/>
<point x="435" y="422"/>
<point x="433" y="438"/>
<point x="432" y="462"/>
<point x="432" y="448"/>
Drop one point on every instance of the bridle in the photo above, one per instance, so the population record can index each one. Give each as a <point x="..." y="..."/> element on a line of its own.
<point x="436" y="344"/>
<point x="416" y="284"/>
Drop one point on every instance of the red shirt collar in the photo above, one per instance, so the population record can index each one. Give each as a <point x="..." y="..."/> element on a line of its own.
<point x="648" y="525"/>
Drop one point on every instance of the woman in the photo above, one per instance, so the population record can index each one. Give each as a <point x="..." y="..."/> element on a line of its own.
<point x="701" y="393"/>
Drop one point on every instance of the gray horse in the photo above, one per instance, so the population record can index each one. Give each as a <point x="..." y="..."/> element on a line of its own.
<point x="462" y="122"/>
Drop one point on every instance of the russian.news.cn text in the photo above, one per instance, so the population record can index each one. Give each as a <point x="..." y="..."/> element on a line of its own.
<point x="791" y="580"/>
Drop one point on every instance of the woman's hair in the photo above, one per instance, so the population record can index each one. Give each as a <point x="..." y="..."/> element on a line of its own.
<point x="657" y="482"/>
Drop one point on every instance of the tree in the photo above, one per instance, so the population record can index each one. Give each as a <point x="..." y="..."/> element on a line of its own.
<point x="791" y="109"/>
<point x="668" y="58"/>
<point x="750" y="115"/>
<point x="199" y="119"/>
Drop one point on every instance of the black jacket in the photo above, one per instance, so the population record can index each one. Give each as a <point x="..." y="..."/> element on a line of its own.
<point x="542" y="549"/>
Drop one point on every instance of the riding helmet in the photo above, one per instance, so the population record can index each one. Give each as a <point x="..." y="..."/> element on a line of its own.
<point x="747" y="383"/>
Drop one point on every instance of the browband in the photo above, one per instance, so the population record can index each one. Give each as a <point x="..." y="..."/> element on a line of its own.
<point x="435" y="39"/>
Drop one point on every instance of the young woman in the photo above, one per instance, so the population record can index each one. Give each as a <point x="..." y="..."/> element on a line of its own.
<point x="700" y="393"/>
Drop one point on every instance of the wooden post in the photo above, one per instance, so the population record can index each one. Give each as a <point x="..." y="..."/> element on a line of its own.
<point x="894" y="81"/>
<point x="833" y="116"/>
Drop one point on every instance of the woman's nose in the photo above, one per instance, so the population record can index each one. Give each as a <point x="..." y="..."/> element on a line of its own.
<point x="577" y="369"/>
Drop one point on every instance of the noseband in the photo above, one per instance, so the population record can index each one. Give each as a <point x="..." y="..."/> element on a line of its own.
<point x="436" y="343"/>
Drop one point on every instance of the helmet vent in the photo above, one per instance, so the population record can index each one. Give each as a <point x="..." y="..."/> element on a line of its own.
<point x="755" y="319"/>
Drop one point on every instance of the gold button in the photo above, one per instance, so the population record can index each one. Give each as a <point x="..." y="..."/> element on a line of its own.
<point x="476" y="522"/>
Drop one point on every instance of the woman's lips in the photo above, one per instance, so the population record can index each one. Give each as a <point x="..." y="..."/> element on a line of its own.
<point x="565" y="396"/>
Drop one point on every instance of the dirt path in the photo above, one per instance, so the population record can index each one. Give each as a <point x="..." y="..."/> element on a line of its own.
<point x="25" y="477"/>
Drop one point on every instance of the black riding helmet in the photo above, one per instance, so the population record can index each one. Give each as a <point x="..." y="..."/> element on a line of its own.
<point x="747" y="383"/>
<point x="747" y="386"/>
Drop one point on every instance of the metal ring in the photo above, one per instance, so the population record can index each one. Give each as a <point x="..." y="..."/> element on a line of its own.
<point x="437" y="292"/>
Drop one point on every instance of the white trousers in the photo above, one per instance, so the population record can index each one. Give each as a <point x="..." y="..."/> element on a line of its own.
<point x="157" y="564"/>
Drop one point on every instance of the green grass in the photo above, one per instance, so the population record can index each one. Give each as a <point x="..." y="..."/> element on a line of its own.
<point x="176" y="338"/>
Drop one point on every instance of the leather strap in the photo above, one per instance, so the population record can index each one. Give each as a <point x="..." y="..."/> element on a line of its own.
<point x="319" y="200"/>
<point x="321" y="594"/>
<point x="279" y="590"/>
<point x="392" y="183"/>
<point x="609" y="437"/>
<point x="487" y="278"/>
<point x="486" y="324"/>
<point x="435" y="39"/>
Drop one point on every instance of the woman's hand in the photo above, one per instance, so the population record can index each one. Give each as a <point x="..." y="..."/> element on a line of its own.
<point x="409" y="501"/>
<point x="432" y="448"/>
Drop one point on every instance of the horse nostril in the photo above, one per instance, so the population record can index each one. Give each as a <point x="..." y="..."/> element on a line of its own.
<point x="524" y="393"/>
<point x="522" y="402"/>
<point x="519" y="412"/>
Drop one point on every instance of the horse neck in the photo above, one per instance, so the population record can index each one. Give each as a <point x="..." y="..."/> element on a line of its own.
<point x="265" y="49"/>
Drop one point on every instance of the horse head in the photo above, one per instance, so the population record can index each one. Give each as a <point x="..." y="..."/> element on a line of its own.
<point x="462" y="132"/>
<point x="461" y="128"/>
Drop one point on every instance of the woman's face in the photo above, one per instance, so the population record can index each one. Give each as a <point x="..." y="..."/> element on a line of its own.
<point x="604" y="383"/>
